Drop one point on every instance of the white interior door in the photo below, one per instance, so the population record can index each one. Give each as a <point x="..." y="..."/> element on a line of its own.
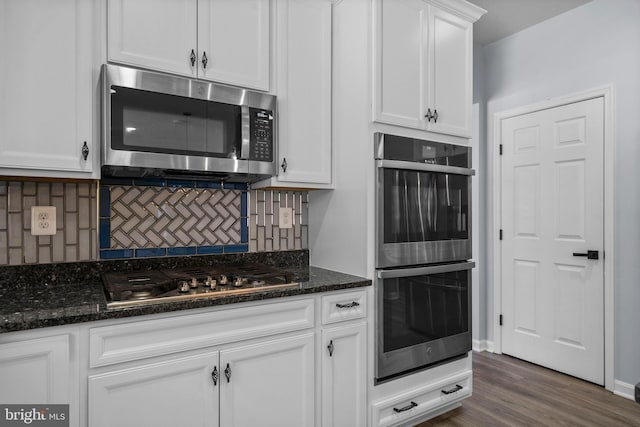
<point x="552" y="209"/>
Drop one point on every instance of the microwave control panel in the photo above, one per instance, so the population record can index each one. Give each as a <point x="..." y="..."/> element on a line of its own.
<point x="261" y="135"/>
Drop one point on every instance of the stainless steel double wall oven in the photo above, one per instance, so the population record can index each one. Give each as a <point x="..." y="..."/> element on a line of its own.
<point x="423" y="267"/>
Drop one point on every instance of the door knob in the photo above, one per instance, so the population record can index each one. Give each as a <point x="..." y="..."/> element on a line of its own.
<point x="589" y="254"/>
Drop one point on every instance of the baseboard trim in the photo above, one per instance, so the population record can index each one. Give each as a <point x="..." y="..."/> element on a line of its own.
<point x="623" y="389"/>
<point x="482" y="345"/>
<point x="479" y="345"/>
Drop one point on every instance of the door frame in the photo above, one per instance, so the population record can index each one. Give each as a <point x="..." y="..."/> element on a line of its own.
<point x="607" y="93"/>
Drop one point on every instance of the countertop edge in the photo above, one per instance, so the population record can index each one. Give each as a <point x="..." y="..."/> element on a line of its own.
<point x="96" y="311"/>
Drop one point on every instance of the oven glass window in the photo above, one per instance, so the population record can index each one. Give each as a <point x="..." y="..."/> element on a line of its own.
<point x="421" y="309"/>
<point x="154" y="122"/>
<point x="425" y="206"/>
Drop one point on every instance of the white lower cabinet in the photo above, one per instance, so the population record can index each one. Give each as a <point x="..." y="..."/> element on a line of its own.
<point x="244" y="366"/>
<point x="426" y="401"/>
<point x="268" y="384"/>
<point x="36" y="368"/>
<point x="35" y="371"/>
<point x="344" y="394"/>
<point x="179" y="392"/>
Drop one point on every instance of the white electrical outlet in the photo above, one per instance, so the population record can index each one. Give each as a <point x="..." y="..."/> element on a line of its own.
<point x="43" y="220"/>
<point x="285" y="218"/>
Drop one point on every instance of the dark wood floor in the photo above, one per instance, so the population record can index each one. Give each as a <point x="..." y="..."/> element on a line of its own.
<point x="511" y="392"/>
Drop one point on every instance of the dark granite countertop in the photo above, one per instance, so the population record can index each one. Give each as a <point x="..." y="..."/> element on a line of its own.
<point x="51" y="295"/>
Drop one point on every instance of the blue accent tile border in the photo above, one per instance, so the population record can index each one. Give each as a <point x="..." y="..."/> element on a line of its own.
<point x="191" y="250"/>
<point x="116" y="253"/>
<point x="105" y="233"/>
<point x="148" y="252"/>
<point x="228" y="249"/>
<point x="206" y="250"/>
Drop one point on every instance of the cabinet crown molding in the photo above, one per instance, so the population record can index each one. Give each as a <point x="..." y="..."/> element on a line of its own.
<point x="462" y="8"/>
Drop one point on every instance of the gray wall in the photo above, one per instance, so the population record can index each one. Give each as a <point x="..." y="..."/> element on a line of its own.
<point x="588" y="47"/>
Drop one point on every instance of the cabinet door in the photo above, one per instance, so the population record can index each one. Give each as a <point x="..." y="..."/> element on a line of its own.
<point x="270" y="384"/>
<point x="304" y="91"/>
<point x="180" y="392"/>
<point x="450" y="81"/>
<point x="344" y="376"/>
<point x="36" y="371"/>
<point x="156" y="34"/>
<point x="46" y="79"/>
<point x="400" y="62"/>
<point x="234" y="35"/>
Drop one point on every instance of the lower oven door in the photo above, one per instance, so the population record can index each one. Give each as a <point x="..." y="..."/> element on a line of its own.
<point x="423" y="317"/>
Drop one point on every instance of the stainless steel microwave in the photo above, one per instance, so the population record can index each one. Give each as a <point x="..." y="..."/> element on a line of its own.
<point x="159" y="125"/>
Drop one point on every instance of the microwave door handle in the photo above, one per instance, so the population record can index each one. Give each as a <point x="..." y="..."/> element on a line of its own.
<point x="245" y="129"/>
<point x="424" y="167"/>
<point x="423" y="271"/>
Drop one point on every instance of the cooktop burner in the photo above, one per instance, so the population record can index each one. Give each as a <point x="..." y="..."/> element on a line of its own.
<point x="154" y="286"/>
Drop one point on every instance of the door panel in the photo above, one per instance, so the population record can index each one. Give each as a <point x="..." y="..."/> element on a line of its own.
<point x="155" y="34"/>
<point x="269" y="384"/>
<point x="552" y="207"/>
<point x="179" y="392"/>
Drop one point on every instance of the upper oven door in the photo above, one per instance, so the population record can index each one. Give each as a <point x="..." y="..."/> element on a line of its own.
<point x="423" y="211"/>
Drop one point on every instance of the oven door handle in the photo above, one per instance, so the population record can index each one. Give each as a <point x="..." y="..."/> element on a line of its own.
<point x="422" y="271"/>
<point x="424" y="167"/>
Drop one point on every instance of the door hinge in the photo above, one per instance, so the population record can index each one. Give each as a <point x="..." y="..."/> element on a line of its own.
<point x="501" y="149"/>
<point x="501" y="234"/>
<point x="500" y="320"/>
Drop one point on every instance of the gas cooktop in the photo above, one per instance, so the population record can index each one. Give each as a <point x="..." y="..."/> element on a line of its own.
<point x="125" y="289"/>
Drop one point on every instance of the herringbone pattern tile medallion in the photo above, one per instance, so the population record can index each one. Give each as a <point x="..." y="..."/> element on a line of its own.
<point x="152" y="217"/>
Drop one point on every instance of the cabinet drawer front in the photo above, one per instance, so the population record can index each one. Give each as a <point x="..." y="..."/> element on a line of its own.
<point x="148" y="338"/>
<point x="344" y="306"/>
<point x="421" y="401"/>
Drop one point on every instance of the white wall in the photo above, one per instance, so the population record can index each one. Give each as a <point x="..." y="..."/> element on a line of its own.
<point x="588" y="47"/>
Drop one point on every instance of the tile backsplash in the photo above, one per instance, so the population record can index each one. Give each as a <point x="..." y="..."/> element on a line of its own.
<point x="76" y="222"/>
<point x="133" y="219"/>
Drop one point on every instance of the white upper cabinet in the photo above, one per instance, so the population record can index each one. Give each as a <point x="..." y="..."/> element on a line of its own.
<point x="46" y="88"/>
<point x="233" y="42"/>
<point x="304" y="67"/>
<point x="423" y="64"/>
<point x="155" y="34"/>
<point x="221" y="40"/>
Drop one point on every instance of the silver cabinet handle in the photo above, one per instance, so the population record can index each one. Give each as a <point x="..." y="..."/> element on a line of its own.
<point x="406" y="408"/>
<point x="227" y="373"/>
<point x="193" y="58"/>
<point x="205" y="60"/>
<point x="284" y="165"/>
<point x="350" y="305"/>
<point x="85" y="150"/>
<point x="330" y="348"/>
<point x="452" y="390"/>
<point x="214" y="375"/>
<point x="435" y="116"/>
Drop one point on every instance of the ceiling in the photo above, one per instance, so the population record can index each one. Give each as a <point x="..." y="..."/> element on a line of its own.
<point x="506" y="17"/>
